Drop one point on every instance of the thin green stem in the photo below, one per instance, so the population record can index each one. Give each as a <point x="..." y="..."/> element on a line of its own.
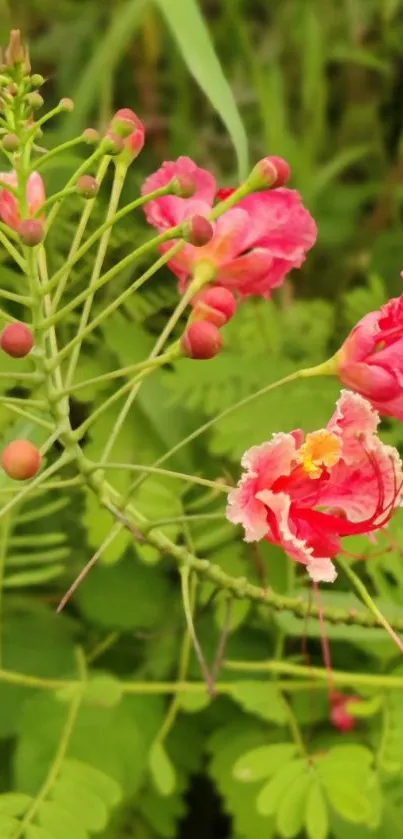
<point x="115" y="304"/>
<point x="117" y="186"/>
<point x="203" y="276"/>
<point x="22" y="412"/>
<point x="39" y="162"/>
<point x="107" y="225"/>
<point x="59" y="757"/>
<point x="166" y="473"/>
<point x="185" y="519"/>
<point x="185" y="573"/>
<point x="361" y="590"/>
<point x="62" y="276"/>
<point x="94" y="157"/>
<point x="341" y="677"/>
<point x="105" y="377"/>
<point x="16" y="298"/>
<point x="53" y="199"/>
<point x="35" y="483"/>
<point x="15" y="255"/>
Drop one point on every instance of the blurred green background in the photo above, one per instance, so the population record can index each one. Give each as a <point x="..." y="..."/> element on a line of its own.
<point x="319" y="82"/>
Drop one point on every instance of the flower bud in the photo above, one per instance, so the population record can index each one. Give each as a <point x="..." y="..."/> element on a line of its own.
<point x="216" y="305"/>
<point x="340" y="715"/>
<point x="10" y="142"/>
<point x="31" y="231"/>
<point x="16" y="53"/>
<point x="16" y="340"/>
<point x="269" y="173"/>
<point x="21" y="460"/>
<point x="87" y="186"/>
<point x="112" y="143"/>
<point x="122" y="122"/>
<point x="127" y="125"/>
<point x="37" y="80"/>
<point x="91" y="136"/>
<point x="183" y="185"/>
<point x="66" y="104"/>
<point x="201" y="340"/>
<point x="197" y="230"/>
<point x="35" y="100"/>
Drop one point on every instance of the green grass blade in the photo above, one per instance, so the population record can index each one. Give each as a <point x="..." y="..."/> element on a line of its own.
<point x="190" y="31"/>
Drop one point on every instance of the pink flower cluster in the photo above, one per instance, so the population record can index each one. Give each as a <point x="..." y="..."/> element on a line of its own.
<point x="254" y="244"/>
<point x="306" y="493"/>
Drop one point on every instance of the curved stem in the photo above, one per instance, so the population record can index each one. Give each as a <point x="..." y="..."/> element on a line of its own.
<point x="366" y="597"/>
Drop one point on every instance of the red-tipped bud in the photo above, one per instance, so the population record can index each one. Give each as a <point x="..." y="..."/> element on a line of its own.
<point x="217" y="305"/>
<point x="21" y="460"/>
<point x="269" y="173"/>
<point x="183" y="185"/>
<point x="66" y="104"/>
<point x="17" y="340"/>
<point x="31" y="231"/>
<point x="87" y="186"/>
<point x="34" y="100"/>
<point x="198" y="231"/>
<point x="10" y="142"/>
<point x="112" y="143"/>
<point x="201" y="340"/>
<point x="127" y="125"/>
<point x="91" y="136"/>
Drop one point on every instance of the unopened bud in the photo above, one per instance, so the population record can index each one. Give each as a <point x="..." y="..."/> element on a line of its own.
<point x="10" y="142"/>
<point x="183" y="185"/>
<point x="21" y="460"/>
<point x="17" y="340"/>
<point x="123" y="121"/>
<point x="37" y="80"/>
<point x="15" y="52"/>
<point x="216" y="305"/>
<point x="202" y="340"/>
<point x="66" y="104"/>
<point x="197" y="230"/>
<point x="91" y="136"/>
<point x="31" y="231"/>
<point x="112" y="143"/>
<point x="87" y="186"/>
<point x="269" y="173"/>
<point x="35" y="100"/>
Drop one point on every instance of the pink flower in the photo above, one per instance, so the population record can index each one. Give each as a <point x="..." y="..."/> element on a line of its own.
<point x="9" y="208"/>
<point x="339" y="713"/>
<point x="371" y="358"/>
<point x="305" y="494"/>
<point x="255" y="244"/>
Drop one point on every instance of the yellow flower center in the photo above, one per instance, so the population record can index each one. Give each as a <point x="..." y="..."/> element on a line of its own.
<point x="321" y="450"/>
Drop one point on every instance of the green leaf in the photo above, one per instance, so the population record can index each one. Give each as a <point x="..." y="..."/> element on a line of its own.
<point x="162" y="770"/>
<point x="137" y="596"/>
<point x="103" y="690"/>
<point x="60" y="822"/>
<point x="85" y="805"/>
<point x="316" y="818"/>
<point x="105" y="787"/>
<point x="14" y="803"/>
<point x="290" y="815"/>
<point x="193" y="702"/>
<point x="194" y="41"/>
<point x="260" y="698"/>
<point x="263" y="761"/>
<point x="35" y="832"/>
<point x="8" y="826"/>
<point x="271" y="795"/>
<point x="350" y="784"/>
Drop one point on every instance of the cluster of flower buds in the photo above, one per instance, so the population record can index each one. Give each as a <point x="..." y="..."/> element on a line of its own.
<point x="20" y="459"/>
<point x="212" y="309"/>
<point x="125" y="136"/>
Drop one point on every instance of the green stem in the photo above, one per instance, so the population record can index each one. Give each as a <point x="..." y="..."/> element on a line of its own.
<point x="58" y="758"/>
<point x="203" y="276"/>
<point x="108" y="223"/>
<point x="42" y="161"/>
<point x="15" y="255"/>
<point x="53" y="199"/>
<point x="188" y="609"/>
<point x="63" y="274"/>
<point x="361" y="590"/>
<point x="117" y="186"/>
<point x="320" y="674"/>
<point x="21" y="412"/>
<point x="105" y="377"/>
<point x="73" y="180"/>
<point x="166" y="473"/>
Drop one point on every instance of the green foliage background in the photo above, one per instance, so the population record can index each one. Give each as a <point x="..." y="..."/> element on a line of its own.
<point x="320" y="83"/>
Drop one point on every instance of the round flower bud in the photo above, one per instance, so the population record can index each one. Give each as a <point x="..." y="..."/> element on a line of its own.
<point x="112" y="143"/>
<point x="35" y="100"/>
<point x="10" y="142"/>
<point x="123" y="121"/>
<point x="198" y="231"/>
<point x="87" y="186"/>
<point x="37" y="80"/>
<point x="91" y="136"/>
<point x="184" y="186"/>
<point x="66" y="104"/>
<point x="201" y="340"/>
<point x="31" y="231"/>
<point x="269" y="173"/>
<point x="16" y="340"/>
<point x="217" y="305"/>
<point x="21" y="460"/>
